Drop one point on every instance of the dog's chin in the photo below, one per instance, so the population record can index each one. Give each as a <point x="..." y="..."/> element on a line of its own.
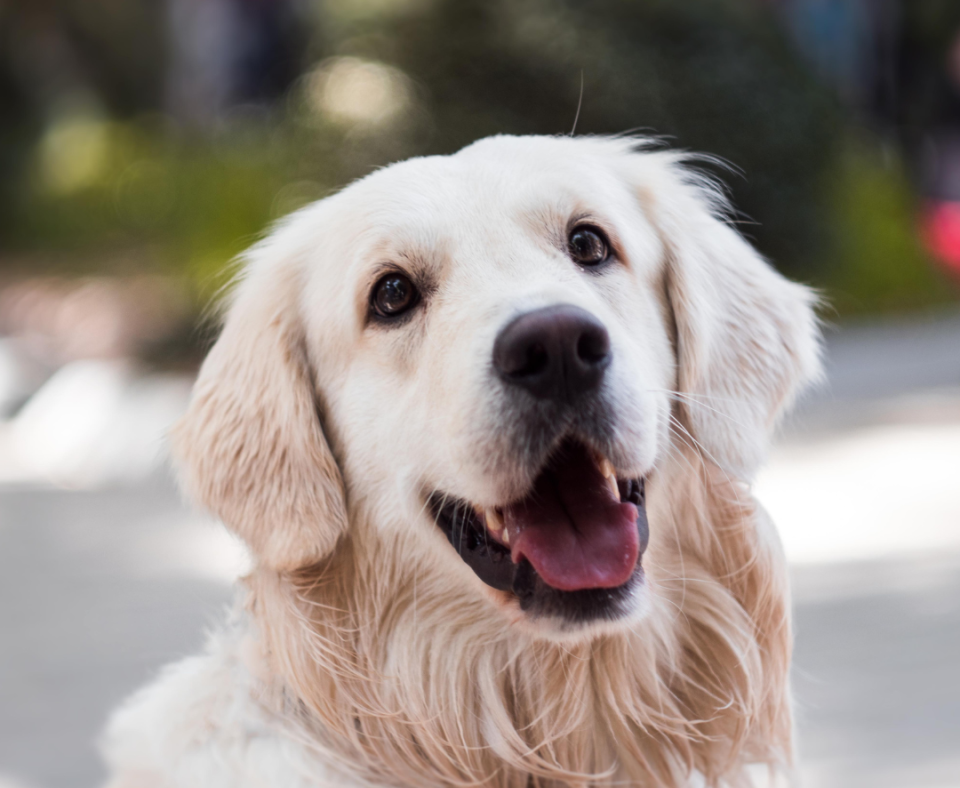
<point x="565" y="558"/>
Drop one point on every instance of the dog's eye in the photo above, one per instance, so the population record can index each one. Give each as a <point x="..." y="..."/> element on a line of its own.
<point x="393" y="295"/>
<point x="588" y="246"/>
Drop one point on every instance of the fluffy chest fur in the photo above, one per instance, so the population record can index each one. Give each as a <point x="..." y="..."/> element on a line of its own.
<point x="299" y="692"/>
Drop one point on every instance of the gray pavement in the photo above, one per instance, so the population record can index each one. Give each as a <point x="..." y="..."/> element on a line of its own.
<point x="100" y="588"/>
<point x="902" y="369"/>
<point x="876" y="673"/>
<point x="83" y="620"/>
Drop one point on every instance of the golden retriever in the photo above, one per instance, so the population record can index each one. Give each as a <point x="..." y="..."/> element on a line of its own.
<point x="487" y="423"/>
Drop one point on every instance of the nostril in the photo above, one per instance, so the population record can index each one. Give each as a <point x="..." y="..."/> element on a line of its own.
<point x="593" y="346"/>
<point x="521" y="359"/>
<point x="525" y="361"/>
<point x="536" y="361"/>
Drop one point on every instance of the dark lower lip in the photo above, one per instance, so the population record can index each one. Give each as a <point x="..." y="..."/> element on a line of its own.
<point x="492" y="563"/>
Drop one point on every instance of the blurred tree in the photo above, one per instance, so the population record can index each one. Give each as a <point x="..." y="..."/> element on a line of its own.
<point x="317" y="92"/>
<point x="714" y="76"/>
<point x="224" y="53"/>
<point x="109" y="48"/>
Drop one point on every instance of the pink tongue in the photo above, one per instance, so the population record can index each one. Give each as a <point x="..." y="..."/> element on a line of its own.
<point x="572" y="528"/>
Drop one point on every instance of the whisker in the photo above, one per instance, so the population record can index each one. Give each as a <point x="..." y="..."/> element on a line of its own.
<point x="689" y="398"/>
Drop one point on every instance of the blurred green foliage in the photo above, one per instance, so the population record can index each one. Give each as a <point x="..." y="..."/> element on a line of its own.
<point x="154" y="200"/>
<point x="126" y="189"/>
<point x="709" y="75"/>
<point x="877" y="262"/>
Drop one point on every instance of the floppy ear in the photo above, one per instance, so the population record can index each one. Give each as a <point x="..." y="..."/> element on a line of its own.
<point x="251" y="447"/>
<point x="747" y="338"/>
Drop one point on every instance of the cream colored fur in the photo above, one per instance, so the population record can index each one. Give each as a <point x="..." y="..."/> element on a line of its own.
<point x="366" y="653"/>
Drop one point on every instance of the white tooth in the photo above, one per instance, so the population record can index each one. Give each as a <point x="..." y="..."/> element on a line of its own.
<point x="606" y="468"/>
<point x="494" y="520"/>
<point x="614" y="487"/>
<point x="495" y="525"/>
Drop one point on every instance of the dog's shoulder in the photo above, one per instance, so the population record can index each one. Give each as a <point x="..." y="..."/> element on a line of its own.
<point x="208" y="721"/>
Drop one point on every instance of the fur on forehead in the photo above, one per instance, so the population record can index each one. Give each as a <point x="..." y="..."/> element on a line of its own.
<point x="519" y="180"/>
<point x="493" y="194"/>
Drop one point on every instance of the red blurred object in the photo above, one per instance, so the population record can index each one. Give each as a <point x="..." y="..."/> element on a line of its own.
<point x="941" y="233"/>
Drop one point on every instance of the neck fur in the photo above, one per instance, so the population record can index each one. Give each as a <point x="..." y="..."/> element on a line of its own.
<point x="383" y="675"/>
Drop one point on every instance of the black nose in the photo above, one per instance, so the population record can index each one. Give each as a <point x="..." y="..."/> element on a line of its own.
<point x="558" y="352"/>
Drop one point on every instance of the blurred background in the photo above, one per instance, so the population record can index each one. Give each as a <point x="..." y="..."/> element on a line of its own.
<point x="144" y="143"/>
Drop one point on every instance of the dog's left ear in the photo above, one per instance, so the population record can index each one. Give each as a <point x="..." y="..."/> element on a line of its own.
<point x="747" y="339"/>
<point x="251" y="447"/>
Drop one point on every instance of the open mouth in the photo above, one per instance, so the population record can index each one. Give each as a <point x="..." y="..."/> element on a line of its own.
<point x="571" y="547"/>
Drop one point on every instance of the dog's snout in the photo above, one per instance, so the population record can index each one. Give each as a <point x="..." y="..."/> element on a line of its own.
<point x="557" y="352"/>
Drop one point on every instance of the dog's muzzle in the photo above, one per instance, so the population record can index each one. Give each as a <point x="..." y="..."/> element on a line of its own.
<point x="571" y="548"/>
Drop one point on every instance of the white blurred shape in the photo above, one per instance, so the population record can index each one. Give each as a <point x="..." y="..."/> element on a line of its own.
<point x="93" y="422"/>
<point x="357" y="91"/>
<point x="193" y="546"/>
<point x="876" y="493"/>
<point x="59" y="432"/>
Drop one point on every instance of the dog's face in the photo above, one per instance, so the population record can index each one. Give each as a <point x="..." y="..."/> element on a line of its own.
<point x="491" y="343"/>
<point x="495" y="342"/>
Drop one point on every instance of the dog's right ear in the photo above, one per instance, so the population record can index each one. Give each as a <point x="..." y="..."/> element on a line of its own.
<point x="251" y="447"/>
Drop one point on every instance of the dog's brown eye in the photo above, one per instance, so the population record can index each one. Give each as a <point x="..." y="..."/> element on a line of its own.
<point x="393" y="295"/>
<point x="588" y="246"/>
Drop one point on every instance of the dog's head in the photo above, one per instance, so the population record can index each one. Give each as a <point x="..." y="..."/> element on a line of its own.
<point x="483" y="359"/>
